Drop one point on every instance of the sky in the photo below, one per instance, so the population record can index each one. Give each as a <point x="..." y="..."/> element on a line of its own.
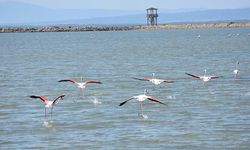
<point x="139" y="4"/>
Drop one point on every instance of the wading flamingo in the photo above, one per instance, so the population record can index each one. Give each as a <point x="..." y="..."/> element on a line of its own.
<point x="154" y="80"/>
<point x="82" y="84"/>
<point x="140" y="99"/>
<point x="48" y="104"/>
<point x="205" y="78"/>
<point x="236" y="71"/>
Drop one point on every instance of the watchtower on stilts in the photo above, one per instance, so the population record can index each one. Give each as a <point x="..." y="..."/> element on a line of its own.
<point x="152" y="16"/>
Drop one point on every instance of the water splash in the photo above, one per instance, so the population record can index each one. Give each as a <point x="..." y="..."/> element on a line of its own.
<point x="143" y="116"/>
<point x="96" y="101"/>
<point x="48" y="124"/>
<point x="211" y="91"/>
<point x="171" y="97"/>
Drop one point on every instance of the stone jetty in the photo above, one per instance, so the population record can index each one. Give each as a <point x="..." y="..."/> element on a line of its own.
<point x="82" y="28"/>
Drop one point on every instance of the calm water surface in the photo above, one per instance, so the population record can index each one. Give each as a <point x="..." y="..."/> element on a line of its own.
<point x="197" y="116"/>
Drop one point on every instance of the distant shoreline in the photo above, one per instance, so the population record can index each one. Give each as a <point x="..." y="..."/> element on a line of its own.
<point x="82" y="28"/>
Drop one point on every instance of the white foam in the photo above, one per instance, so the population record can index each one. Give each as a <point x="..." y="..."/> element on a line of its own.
<point x="47" y="124"/>
<point x="171" y="97"/>
<point x="96" y="101"/>
<point x="143" y="116"/>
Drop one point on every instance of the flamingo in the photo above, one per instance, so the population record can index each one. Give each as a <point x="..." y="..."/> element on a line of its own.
<point x="48" y="103"/>
<point x="140" y="99"/>
<point x="205" y="78"/>
<point x="154" y="80"/>
<point x="236" y="71"/>
<point x="82" y="84"/>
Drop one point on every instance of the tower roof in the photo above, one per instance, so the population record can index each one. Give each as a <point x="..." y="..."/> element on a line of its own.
<point x="152" y="8"/>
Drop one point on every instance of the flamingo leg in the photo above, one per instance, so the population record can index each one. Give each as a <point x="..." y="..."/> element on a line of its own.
<point x="45" y="114"/>
<point x="82" y="92"/>
<point x="75" y="99"/>
<point x="51" y="113"/>
<point x="78" y="96"/>
<point x="141" y="109"/>
<point x="141" y="114"/>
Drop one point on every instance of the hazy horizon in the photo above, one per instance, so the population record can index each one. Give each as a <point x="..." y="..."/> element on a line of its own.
<point x="118" y="12"/>
<point x="137" y="5"/>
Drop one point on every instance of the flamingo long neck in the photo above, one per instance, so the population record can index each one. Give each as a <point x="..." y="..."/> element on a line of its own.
<point x="236" y="65"/>
<point x="153" y="75"/>
<point x="145" y="91"/>
<point x="81" y="79"/>
<point x="205" y="72"/>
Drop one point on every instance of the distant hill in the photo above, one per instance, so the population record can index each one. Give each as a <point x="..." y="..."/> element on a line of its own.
<point x="23" y="13"/>
<point x="196" y="16"/>
<point x="208" y="15"/>
<point x="13" y="13"/>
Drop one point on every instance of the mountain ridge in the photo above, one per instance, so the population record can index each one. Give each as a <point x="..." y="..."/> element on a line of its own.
<point x="16" y="13"/>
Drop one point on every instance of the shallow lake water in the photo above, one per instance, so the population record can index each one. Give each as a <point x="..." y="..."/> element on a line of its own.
<point x="214" y="115"/>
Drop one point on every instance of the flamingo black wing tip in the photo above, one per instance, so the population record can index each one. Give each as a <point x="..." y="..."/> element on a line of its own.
<point x="122" y="103"/>
<point x="135" y="78"/>
<point x="33" y="96"/>
<point x="141" y="79"/>
<point x="62" y="96"/>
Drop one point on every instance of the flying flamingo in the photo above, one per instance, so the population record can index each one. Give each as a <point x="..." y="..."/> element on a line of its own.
<point x="205" y="78"/>
<point x="154" y="80"/>
<point x="142" y="98"/>
<point x="48" y="104"/>
<point x="236" y="71"/>
<point x="82" y="84"/>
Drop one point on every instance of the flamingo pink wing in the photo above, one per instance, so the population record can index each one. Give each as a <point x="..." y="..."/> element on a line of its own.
<point x="143" y="79"/>
<point x="147" y="78"/>
<point x="193" y="75"/>
<point x="43" y="98"/>
<point x="151" y="98"/>
<point x="214" y="77"/>
<point x="93" y="81"/>
<point x="168" y="81"/>
<point x="67" y="80"/>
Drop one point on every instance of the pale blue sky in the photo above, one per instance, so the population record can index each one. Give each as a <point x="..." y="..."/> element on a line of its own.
<point x="139" y="4"/>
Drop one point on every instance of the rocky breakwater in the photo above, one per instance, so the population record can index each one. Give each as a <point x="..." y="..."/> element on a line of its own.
<point x="80" y="28"/>
<point x="197" y="26"/>
<point x="76" y="28"/>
